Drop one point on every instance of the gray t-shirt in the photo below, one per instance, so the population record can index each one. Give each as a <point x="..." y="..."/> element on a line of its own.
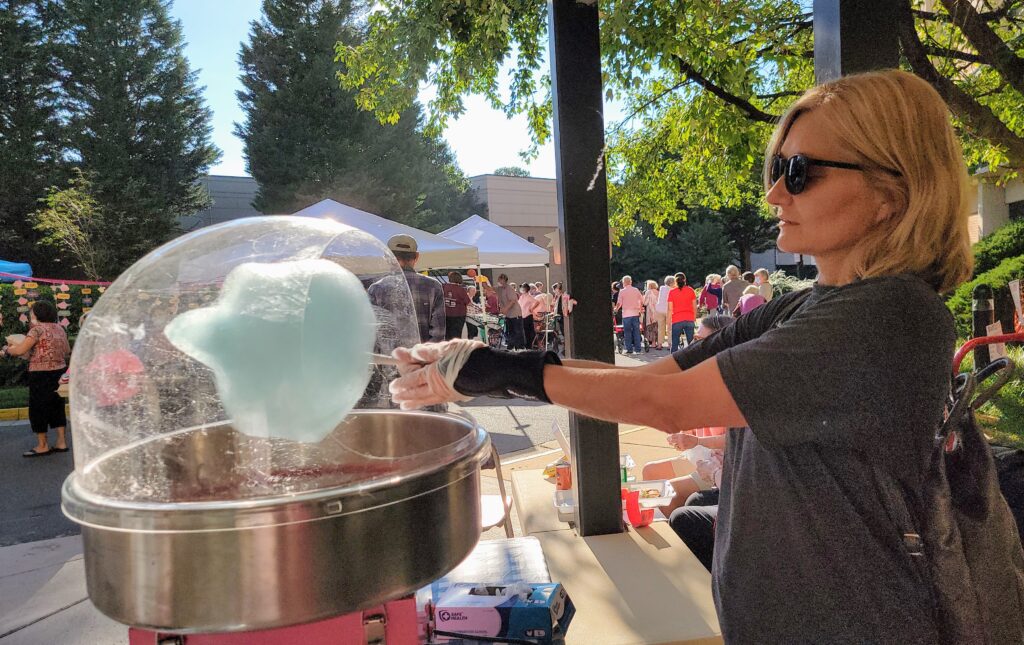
<point x="805" y="550"/>
<point x="507" y="294"/>
<point x="732" y="290"/>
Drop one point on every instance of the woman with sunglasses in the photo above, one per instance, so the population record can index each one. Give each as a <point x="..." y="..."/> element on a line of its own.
<point x="865" y="174"/>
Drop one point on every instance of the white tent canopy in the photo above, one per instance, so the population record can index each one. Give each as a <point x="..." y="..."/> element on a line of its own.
<point x="499" y="247"/>
<point x="436" y="252"/>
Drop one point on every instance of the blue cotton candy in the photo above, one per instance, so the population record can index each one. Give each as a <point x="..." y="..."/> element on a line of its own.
<point x="288" y="344"/>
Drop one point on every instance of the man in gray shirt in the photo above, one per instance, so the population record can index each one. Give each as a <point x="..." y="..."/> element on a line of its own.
<point x="427" y="296"/>
<point x="508" y="305"/>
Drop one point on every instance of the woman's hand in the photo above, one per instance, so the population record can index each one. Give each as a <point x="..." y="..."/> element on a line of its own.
<point x="428" y="372"/>
<point x="458" y="370"/>
<point x="683" y="440"/>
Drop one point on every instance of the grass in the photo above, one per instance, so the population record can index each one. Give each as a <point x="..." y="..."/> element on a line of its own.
<point x="13" y="397"/>
<point x="1002" y="418"/>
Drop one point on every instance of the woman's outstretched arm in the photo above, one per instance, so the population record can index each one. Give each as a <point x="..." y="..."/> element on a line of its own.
<point x="671" y="403"/>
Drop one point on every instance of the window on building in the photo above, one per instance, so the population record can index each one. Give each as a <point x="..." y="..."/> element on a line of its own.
<point x="1016" y="209"/>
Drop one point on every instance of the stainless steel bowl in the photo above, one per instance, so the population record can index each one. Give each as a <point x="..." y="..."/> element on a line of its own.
<point x="218" y="565"/>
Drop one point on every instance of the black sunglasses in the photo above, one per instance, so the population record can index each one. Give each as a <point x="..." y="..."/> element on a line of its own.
<point x="794" y="169"/>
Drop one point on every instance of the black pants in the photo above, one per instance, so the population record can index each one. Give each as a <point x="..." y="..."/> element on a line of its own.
<point x="695" y="525"/>
<point x="45" y="406"/>
<point x="529" y="332"/>
<point x="472" y="331"/>
<point x="453" y="327"/>
<point x="515" y="336"/>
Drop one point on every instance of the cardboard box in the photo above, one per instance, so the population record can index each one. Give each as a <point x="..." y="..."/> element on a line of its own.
<point x="469" y="610"/>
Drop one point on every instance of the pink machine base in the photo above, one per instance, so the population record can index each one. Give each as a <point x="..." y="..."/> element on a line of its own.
<point x="393" y="623"/>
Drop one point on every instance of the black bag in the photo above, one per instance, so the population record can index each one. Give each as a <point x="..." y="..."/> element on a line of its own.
<point x="1010" y="469"/>
<point x="959" y="530"/>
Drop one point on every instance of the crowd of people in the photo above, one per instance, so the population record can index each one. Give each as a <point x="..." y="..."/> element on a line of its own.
<point x="661" y="316"/>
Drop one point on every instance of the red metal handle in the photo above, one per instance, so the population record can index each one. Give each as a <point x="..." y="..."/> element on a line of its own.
<point x="983" y="340"/>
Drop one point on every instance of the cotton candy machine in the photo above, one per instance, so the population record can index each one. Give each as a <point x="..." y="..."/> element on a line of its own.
<point x="195" y="520"/>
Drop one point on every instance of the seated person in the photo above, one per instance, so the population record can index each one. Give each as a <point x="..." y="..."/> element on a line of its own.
<point x="694" y="508"/>
<point x="704" y="467"/>
<point x="694" y="523"/>
<point x="704" y="470"/>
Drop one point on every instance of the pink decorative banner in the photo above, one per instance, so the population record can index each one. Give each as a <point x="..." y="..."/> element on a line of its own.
<point x="49" y="280"/>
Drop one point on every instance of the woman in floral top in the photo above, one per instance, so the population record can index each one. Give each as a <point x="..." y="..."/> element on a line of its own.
<point x="46" y="347"/>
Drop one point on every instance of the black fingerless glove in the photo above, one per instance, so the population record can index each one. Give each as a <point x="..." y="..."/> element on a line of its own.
<point x="505" y="375"/>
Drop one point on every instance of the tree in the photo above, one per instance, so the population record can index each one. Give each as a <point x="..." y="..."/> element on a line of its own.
<point x="72" y="223"/>
<point x="749" y="230"/>
<point x="512" y="171"/>
<point x="702" y="82"/>
<point x="137" y="124"/>
<point x="30" y="129"/>
<point x="306" y="140"/>
<point x="697" y="247"/>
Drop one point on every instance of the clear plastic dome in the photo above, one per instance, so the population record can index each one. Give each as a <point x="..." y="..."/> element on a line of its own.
<point x="154" y="424"/>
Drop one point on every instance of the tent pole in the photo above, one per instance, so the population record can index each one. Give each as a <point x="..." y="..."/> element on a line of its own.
<point x="547" y="277"/>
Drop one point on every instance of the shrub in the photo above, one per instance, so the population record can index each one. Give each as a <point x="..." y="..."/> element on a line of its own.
<point x="990" y="251"/>
<point x="13" y="397"/>
<point x="782" y="283"/>
<point x="960" y="302"/>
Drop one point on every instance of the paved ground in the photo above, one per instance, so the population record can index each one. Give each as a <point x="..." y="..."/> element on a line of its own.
<point x="30" y="503"/>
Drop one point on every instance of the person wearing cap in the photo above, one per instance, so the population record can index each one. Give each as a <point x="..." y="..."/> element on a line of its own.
<point x="427" y="297"/>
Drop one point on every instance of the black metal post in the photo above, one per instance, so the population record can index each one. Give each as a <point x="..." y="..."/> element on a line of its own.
<point x="583" y="223"/>
<point x="853" y="36"/>
<point x="983" y="314"/>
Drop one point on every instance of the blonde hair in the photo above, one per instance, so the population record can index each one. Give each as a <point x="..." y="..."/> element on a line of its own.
<point x="895" y="121"/>
<point x="652" y="284"/>
<point x="751" y="290"/>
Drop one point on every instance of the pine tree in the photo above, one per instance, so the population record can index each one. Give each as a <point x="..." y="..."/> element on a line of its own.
<point x="30" y="133"/>
<point x="138" y="124"/>
<point x="306" y="140"/>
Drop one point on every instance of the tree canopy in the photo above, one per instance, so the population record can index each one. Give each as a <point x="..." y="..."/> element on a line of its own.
<point x="137" y="123"/>
<point x="697" y="247"/>
<point x="305" y="139"/>
<point x="701" y="82"/>
<point x="30" y="127"/>
<point x="512" y="171"/>
<point x="104" y="88"/>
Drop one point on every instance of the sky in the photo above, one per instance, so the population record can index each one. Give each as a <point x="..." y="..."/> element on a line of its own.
<point x="483" y="139"/>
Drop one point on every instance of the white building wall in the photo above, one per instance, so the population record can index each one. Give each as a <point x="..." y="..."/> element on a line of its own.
<point x="528" y="207"/>
<point x="992" y="207"/>
<point x="518" y="201"/>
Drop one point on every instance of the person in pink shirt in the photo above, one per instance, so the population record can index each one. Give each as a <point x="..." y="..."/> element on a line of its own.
<point x="529" y="305"/>
<point x="630" y="301"/>
<point x="750" y="300"/>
